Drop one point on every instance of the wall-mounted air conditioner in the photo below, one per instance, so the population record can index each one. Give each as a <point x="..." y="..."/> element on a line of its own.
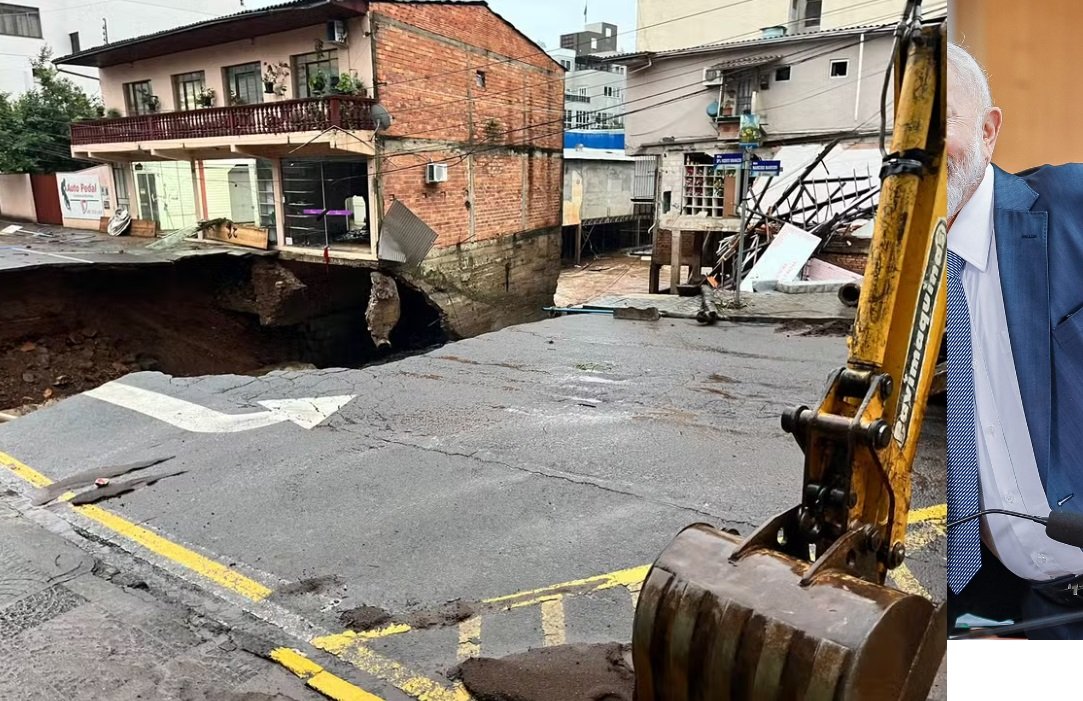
<point x="712" y="76"/>
<point x="336" y="32"/>
<point x="436" y="173"/>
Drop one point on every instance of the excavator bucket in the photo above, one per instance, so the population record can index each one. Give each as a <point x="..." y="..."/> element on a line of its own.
<point x="799" y="610"/>
<point x="707" y="627"/>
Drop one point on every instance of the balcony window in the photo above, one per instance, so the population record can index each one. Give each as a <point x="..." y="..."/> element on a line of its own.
<point x="312" y="72"/>
<point x="186" y="89"/>
<point x="246" y="82"/>
<point x="137" y="98"/>
<point x="20" y="21"/>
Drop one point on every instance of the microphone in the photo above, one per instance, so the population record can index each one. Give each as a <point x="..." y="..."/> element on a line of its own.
<point x="1062" y="526"/>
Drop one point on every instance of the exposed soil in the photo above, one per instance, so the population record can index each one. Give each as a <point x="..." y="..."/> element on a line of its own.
<point x="449" y="614"/>
<point x="50" y="367"/>
<point x="364" y="618"/>
<point x="600" y="672"/>
<point x="827" y="328"/>
<point x="64" y="331"/>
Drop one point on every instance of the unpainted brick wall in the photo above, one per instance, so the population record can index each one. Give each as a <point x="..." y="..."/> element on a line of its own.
<point x="502" y="142"/>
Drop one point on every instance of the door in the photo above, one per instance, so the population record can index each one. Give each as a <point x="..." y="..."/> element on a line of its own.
<point x="46" y="199"/>
<point x="242" y="204"/>
<point x="148" y="196"/>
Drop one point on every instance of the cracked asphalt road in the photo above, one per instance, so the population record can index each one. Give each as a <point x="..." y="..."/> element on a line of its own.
<point x="531" y="456"/>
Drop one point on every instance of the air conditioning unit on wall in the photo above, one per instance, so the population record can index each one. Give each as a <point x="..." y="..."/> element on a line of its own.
<point x="435" y="173"/>
<point x="712" y="76"/>
<point x="336" y="32"/>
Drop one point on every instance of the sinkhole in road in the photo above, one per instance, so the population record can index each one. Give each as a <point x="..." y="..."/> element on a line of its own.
<point x="67" y="330"/>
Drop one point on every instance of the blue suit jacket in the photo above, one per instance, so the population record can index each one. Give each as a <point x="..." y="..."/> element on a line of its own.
<point x="1038" y="222"/>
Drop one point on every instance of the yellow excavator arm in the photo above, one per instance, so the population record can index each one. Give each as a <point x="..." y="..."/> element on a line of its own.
<point x="799" y="609"/>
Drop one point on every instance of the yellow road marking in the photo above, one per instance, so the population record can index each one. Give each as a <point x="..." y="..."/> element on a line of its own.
<point x="214" y="571"/>
<point x="907" y="582"/>
<point x="470" y="638"/>
<point x="316" y="677"/>
<point x="552" y="620"/>
<point x="620" y="578"/>
<point x="420" y="687"/>
<point x="936" y="512"/>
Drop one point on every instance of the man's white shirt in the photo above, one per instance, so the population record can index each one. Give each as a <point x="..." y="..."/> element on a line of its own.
<point x="1009" y="472"/>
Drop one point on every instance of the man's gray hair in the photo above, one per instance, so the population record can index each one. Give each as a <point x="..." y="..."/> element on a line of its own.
<point x="969" y="77"/>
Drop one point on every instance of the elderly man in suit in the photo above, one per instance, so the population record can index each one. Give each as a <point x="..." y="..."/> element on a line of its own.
<point x="1015" y="368"/>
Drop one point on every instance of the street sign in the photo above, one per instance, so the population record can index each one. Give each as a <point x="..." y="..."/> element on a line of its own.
<point x="728" y="159"/>
<point x="770" y="168"/>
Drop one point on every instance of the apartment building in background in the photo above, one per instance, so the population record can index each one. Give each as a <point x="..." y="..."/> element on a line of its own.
<point x="70" y="26"/>
<point x="600" y="207"/>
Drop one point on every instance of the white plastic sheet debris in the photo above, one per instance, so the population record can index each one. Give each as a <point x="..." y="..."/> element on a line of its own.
<point x="782" y="261"/>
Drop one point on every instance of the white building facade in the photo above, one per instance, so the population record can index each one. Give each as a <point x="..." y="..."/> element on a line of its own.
<point x="69" y="26"/>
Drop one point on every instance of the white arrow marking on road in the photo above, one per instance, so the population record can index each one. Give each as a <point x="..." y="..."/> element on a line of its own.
<point x="307" y="413"/>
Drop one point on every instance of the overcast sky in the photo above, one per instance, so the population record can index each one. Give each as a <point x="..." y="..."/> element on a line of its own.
<point x="545" y="20"/>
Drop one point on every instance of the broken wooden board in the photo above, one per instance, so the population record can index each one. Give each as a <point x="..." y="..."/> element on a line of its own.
<point x="238" y="235"/>
<point x="143" y="228"/>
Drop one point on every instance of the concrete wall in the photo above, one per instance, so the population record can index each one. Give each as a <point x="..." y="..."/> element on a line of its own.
<point x="355" y="58"/>
<point x="123" y="18"/>
<point x="709" y="21"/>
<point x="487" y="285"/>
<point x="16" y="197"/>
<point x="596" y="189"/>
<point x="810" y="102"/>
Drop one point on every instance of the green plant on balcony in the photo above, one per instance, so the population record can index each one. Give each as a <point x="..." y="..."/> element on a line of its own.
<point x="112" y="113"/>
<point x="235" y="99"/>
<point x="205" y="97"/>
<point x="317" y="84"/>
<point x="346" y="84"/>
<point x="151" y="102"/>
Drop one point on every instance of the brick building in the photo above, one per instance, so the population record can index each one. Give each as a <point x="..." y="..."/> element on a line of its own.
<point x="354" y="132"/>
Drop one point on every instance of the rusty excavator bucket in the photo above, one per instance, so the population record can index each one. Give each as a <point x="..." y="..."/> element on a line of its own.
<point x="800" y="609"/>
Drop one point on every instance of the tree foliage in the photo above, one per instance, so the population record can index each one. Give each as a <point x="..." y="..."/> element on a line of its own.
<point x="35" y="127"/>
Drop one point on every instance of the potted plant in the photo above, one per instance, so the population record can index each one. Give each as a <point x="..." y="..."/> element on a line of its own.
<point x="317" y="83"/>
<point x="274" y="77"/>
<point x="346" y="84"/>
<point x="235" y="99"/>
<point x="205" y="97"/>
<point x="151" y="102"/>
<point x="112" y="113"/>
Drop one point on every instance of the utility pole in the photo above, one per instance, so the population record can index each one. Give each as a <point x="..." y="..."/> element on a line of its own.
<point x="105" y="31"/>
<point x="742" y="183"/>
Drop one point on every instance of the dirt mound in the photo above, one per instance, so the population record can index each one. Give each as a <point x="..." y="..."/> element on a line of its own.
<point x="62" y="364"/>
<point x="599" y="672"/>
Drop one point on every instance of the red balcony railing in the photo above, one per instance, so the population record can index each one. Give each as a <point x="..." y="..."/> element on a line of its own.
<point x="309" y="114"/>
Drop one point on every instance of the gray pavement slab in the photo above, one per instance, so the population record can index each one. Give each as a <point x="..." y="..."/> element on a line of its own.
<point x="76" y="635"/>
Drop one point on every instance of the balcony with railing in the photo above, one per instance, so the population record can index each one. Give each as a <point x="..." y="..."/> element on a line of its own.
<point x="269" y="118"/>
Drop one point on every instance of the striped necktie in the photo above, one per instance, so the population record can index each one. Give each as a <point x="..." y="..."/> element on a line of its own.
<point x="964" y="541"/>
